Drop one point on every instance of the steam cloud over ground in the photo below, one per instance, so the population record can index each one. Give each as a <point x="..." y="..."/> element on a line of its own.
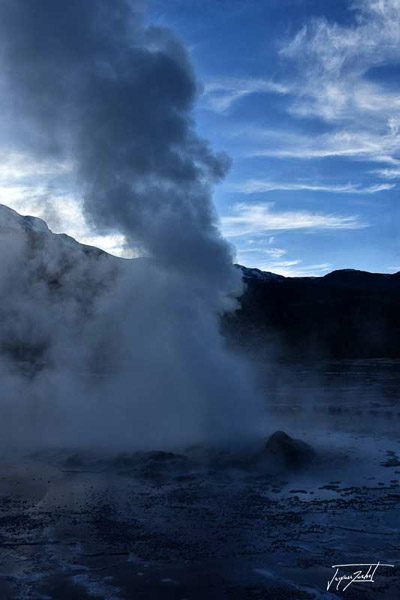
<point x="128" y="351"/>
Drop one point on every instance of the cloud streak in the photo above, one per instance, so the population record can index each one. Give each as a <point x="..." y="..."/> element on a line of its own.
<point x="388" y="173"/>
<point x="251" y="219"/>
<point x="221" y="93"/>
<point x="295" y="268"/>
<point x="272" y="261"/>
<point x="271" y="252"/>
<point x="361" y="145"/>
<point x="256" y="186"/>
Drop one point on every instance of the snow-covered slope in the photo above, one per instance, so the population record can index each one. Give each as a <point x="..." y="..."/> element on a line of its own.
<point x="45" y="279"/>
<point x="13" y="226"/>
<point x="10" y="220"/>
<point x="257" y="274"/>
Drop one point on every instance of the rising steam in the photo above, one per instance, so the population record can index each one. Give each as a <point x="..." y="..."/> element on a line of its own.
<point x="130" y="352"/>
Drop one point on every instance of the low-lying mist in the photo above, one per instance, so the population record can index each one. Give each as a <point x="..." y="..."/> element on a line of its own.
<point x="131" y="353"/>
<point x="112" y="352"/>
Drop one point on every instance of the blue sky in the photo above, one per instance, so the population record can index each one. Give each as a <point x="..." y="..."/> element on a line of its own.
<point x="304" y="95"/>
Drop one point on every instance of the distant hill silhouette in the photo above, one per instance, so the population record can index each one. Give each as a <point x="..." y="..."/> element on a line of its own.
<point x="345" y="314"/>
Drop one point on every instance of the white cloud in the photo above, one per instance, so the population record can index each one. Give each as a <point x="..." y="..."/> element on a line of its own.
<point x="388" y="173"/>
<point x="22" y="188"/>
<point x="249" y="219"/>
<point x="62" y="212"/>
<point x="219" y="94"/>
<point x="271" y="259"/>
<point x="333" y="62"/>
<point x="272" y="252"/>
<point x="295" y="268"/>
<point x="16" y="167"/>
<point x="333" y="83"/>
<point x="361" y="145"/>
<point x="288" y="268"/>
<point x="255" y="186"/>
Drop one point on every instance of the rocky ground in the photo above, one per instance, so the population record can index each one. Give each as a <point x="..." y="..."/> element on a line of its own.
<point x="196" y="523"/>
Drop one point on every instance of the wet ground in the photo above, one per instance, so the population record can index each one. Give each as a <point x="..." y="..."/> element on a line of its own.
<point x="198" y="524"/>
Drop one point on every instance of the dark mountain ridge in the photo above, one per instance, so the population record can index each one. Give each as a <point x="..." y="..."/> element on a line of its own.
<point x="344" y="314"/>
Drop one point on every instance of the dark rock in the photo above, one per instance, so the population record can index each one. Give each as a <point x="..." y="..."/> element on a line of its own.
<point x="124" y="460"/>
<point x="158" y="456"/>
<point x="159" y="465"/>
<point x="392" y="460"/>
<point x="73" y="461"/>
<point x="289" y="452"/>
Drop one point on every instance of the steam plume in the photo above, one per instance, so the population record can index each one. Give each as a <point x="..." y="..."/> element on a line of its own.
<point x="90" y="83"/>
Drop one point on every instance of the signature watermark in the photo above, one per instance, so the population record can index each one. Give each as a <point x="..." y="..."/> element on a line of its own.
<point x="346" y="575"/>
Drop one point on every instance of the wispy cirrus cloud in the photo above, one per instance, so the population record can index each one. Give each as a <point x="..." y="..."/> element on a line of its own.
<point x="251" y="219"/>
<point x="288" y="268"/>
<point x="275" y="260"/>
<point x="295" y="268"/>
<point x="219" y="94"/>
<point x="355" y="145"/>
<point x="270" y="252"/>
<point x="256" y="186"/>
<point x="388" y="173"/>
<point x="334" y="60"/>
<point x="333" y="82"/>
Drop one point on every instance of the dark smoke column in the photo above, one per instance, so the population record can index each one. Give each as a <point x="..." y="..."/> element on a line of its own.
<point x="89" y="82"/>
